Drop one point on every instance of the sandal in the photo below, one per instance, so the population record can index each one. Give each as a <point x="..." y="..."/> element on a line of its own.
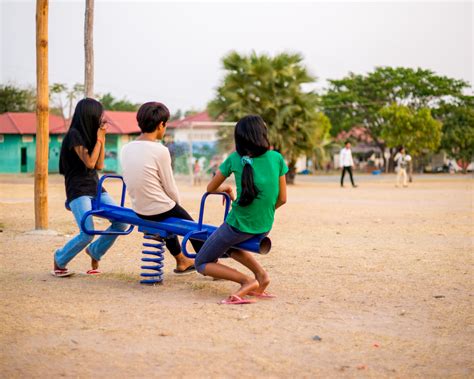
<point x="93" y="272"/>
<point x="234" y="299"/>
<point x="62" y="273"/>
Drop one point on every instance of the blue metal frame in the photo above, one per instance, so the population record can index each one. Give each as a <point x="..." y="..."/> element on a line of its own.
<point x="186" y="228"/>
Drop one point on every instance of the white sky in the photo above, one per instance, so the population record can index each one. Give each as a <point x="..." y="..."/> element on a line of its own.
<point x="171" y="52"/>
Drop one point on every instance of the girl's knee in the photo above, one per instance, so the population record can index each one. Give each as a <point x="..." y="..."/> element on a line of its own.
<point x="199" y="265"/>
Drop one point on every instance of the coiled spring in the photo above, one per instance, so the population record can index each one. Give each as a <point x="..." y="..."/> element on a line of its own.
<point x="153" y="256"/>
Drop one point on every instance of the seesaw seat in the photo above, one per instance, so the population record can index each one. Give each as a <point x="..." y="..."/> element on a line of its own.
<point x="162" y="229"/>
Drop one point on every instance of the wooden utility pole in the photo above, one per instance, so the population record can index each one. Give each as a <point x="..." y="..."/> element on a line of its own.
<point x="42" y="116"/>
<point x="89" y="49"/>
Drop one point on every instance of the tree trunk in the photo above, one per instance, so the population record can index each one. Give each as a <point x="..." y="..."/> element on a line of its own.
<point x="291" y="174"/>
<point x="42" y="116"/>
<point x="89" y="49"/>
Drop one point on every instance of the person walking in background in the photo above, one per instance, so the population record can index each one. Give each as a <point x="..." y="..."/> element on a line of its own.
<point x="346" y="162"/>
<point x="402" y="160"/>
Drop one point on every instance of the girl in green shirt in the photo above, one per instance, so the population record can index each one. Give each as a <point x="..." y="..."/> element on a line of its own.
<point x="261" y="188"/>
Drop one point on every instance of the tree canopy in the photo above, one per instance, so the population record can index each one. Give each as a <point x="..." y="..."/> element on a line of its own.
<point x="15" y="99"/>
<point x="272" y="87"/>
<point x="458" y="130"/>
<point x="416" y="130"/>
<point x="111" y="103"/>
<point x="358" y="99"/>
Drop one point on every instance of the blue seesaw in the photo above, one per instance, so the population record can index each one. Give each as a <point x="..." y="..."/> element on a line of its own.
<point x="156" y="231"/>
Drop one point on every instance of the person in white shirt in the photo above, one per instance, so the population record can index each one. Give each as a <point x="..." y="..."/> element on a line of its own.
<point x="346" y="162"/>
<point x="402" y="160"/>
<point x="147" y="172"/>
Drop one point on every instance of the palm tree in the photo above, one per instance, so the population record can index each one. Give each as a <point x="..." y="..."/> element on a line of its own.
<point x="272" y="88"/>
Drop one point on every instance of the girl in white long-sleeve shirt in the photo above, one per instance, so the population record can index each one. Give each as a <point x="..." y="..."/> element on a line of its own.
<point x="147" y="172"/>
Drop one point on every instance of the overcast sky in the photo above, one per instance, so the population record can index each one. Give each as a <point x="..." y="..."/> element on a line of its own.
<point x="171" y="51"/>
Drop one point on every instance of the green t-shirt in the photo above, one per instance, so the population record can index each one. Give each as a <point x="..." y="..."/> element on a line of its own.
<point x="257" y="217"/>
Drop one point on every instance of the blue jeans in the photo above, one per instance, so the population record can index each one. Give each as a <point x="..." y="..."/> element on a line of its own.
<point x="99" y="247"/>
<point x="220" y="244"/>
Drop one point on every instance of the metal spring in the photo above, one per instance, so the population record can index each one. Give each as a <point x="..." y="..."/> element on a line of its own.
<point x="156" y="274"/>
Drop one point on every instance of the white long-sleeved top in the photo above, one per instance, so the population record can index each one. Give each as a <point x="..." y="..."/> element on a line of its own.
<point x="345" y="158"/>
<point x="149" y="177"/>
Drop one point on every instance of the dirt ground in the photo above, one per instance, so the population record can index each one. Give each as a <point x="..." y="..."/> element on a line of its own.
<point x="382" y="275"/>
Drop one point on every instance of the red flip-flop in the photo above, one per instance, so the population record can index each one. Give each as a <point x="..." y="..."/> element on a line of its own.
<point x="263" y="295"/>
<point x="93" y="272"/>
<point x="62" y="273"/>
<point x="234" y="299"/>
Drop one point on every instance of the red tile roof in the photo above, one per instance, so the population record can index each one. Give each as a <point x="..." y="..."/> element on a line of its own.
<point x="198" y="117"/>
<point x="25" y="123"/>
<point x="122" y="122"/>
<point x="359" y="133"/>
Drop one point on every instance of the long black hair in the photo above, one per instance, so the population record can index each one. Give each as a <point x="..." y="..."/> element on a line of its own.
<point x="86" y="120"/>
<point x="251" y="141"/>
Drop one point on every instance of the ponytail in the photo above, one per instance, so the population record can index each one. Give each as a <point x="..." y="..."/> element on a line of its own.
<point x="249" y="190"/>
<point x="250" y="141"/>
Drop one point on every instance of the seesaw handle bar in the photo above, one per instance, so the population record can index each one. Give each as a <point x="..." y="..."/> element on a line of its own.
<point x="99" y="189"/>
<point x="203" y="203"/>
<point x="97" y="212"/>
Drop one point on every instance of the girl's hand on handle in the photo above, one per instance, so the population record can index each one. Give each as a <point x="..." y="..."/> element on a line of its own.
<point x="228" y="190"/>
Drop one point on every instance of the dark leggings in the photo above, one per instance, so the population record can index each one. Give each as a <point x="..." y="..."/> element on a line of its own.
<point x="172" y="242"/>
<point x="349" y="170"/>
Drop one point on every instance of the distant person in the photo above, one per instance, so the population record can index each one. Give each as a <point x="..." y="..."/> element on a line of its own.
<point x="261" y="188"/>
<point x="402" y="160"/>
<point x="147" y="172"/>
<point x="197" y="173"/>
<point x="82" y="154"/>
<point x="346" y="163"/>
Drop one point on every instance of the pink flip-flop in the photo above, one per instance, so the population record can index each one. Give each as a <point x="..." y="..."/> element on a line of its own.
<point x="263" y="295"/>
<point x="93" y="272"/>
<point x="233" y="299"/>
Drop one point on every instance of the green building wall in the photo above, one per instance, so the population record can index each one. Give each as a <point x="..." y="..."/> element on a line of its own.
<point x="18" y="153"/>
<point x="15" y="146"/>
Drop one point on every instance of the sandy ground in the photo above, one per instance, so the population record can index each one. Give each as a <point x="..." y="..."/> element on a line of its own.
<point x="382" y="275"/>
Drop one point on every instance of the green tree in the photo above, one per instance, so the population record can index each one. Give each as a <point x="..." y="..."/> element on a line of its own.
<point x="358" y="99"/>
<point x="15" y="99"/>
<point x="62" y="98"/>
<point x="110" y="103"/>
<point x="272" y="88"/>
<point x="416" y="130"/>
<point x="176" y="115"/>
<point x="458" y="131"/>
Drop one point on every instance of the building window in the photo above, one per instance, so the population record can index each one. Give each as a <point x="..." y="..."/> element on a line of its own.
<point x="2" y="138"/>
<point x="27" y="139"/>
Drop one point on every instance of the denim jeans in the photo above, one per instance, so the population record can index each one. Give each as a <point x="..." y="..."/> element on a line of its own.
<point x="220" y="244"/>
<point x="97" y="248"/>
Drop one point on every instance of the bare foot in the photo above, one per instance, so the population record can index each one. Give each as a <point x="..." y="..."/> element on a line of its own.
<point x="183" y="263"/>
<point x="263" y="281"/>
<point x="247" y="286"/>
<point x="94" y="262"/>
